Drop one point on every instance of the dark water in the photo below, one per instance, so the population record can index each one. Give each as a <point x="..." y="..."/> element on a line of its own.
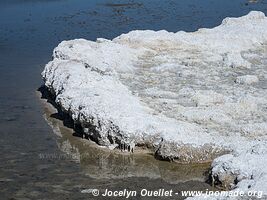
<point x="29" y="30"/>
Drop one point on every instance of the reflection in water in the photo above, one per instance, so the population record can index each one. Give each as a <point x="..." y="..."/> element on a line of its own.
<point x="100" y="163"/>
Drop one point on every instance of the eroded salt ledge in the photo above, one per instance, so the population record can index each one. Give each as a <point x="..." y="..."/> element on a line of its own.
<point x="188" y="96"/>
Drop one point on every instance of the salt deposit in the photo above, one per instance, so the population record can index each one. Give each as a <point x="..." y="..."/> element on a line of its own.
<point x="190" y="97"/>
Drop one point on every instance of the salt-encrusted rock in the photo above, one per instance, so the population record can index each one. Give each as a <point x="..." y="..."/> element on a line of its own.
<point x="242" y="173"/>
<point x="174" y="93"/>
<point x="247" y="79"/>
<point x="246" y="170"/>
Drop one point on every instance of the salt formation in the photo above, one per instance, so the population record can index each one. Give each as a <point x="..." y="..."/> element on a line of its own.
<point x="247" y="79"/>
<point x="190" y="97"/>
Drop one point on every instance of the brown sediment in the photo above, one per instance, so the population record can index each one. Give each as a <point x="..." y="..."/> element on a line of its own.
<point x="187" y="153"/>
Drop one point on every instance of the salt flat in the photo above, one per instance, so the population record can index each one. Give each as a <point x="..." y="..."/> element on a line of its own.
<point x="190" y="97"/>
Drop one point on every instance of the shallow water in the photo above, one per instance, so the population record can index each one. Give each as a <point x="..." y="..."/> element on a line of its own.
<point x="102" y="163"/>
<point x="29" y="30"/>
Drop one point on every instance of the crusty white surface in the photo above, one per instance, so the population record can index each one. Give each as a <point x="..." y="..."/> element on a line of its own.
<point x="185" y="89"/>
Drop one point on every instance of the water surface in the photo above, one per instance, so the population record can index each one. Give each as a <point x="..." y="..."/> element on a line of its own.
<point x="29" y="30"/>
